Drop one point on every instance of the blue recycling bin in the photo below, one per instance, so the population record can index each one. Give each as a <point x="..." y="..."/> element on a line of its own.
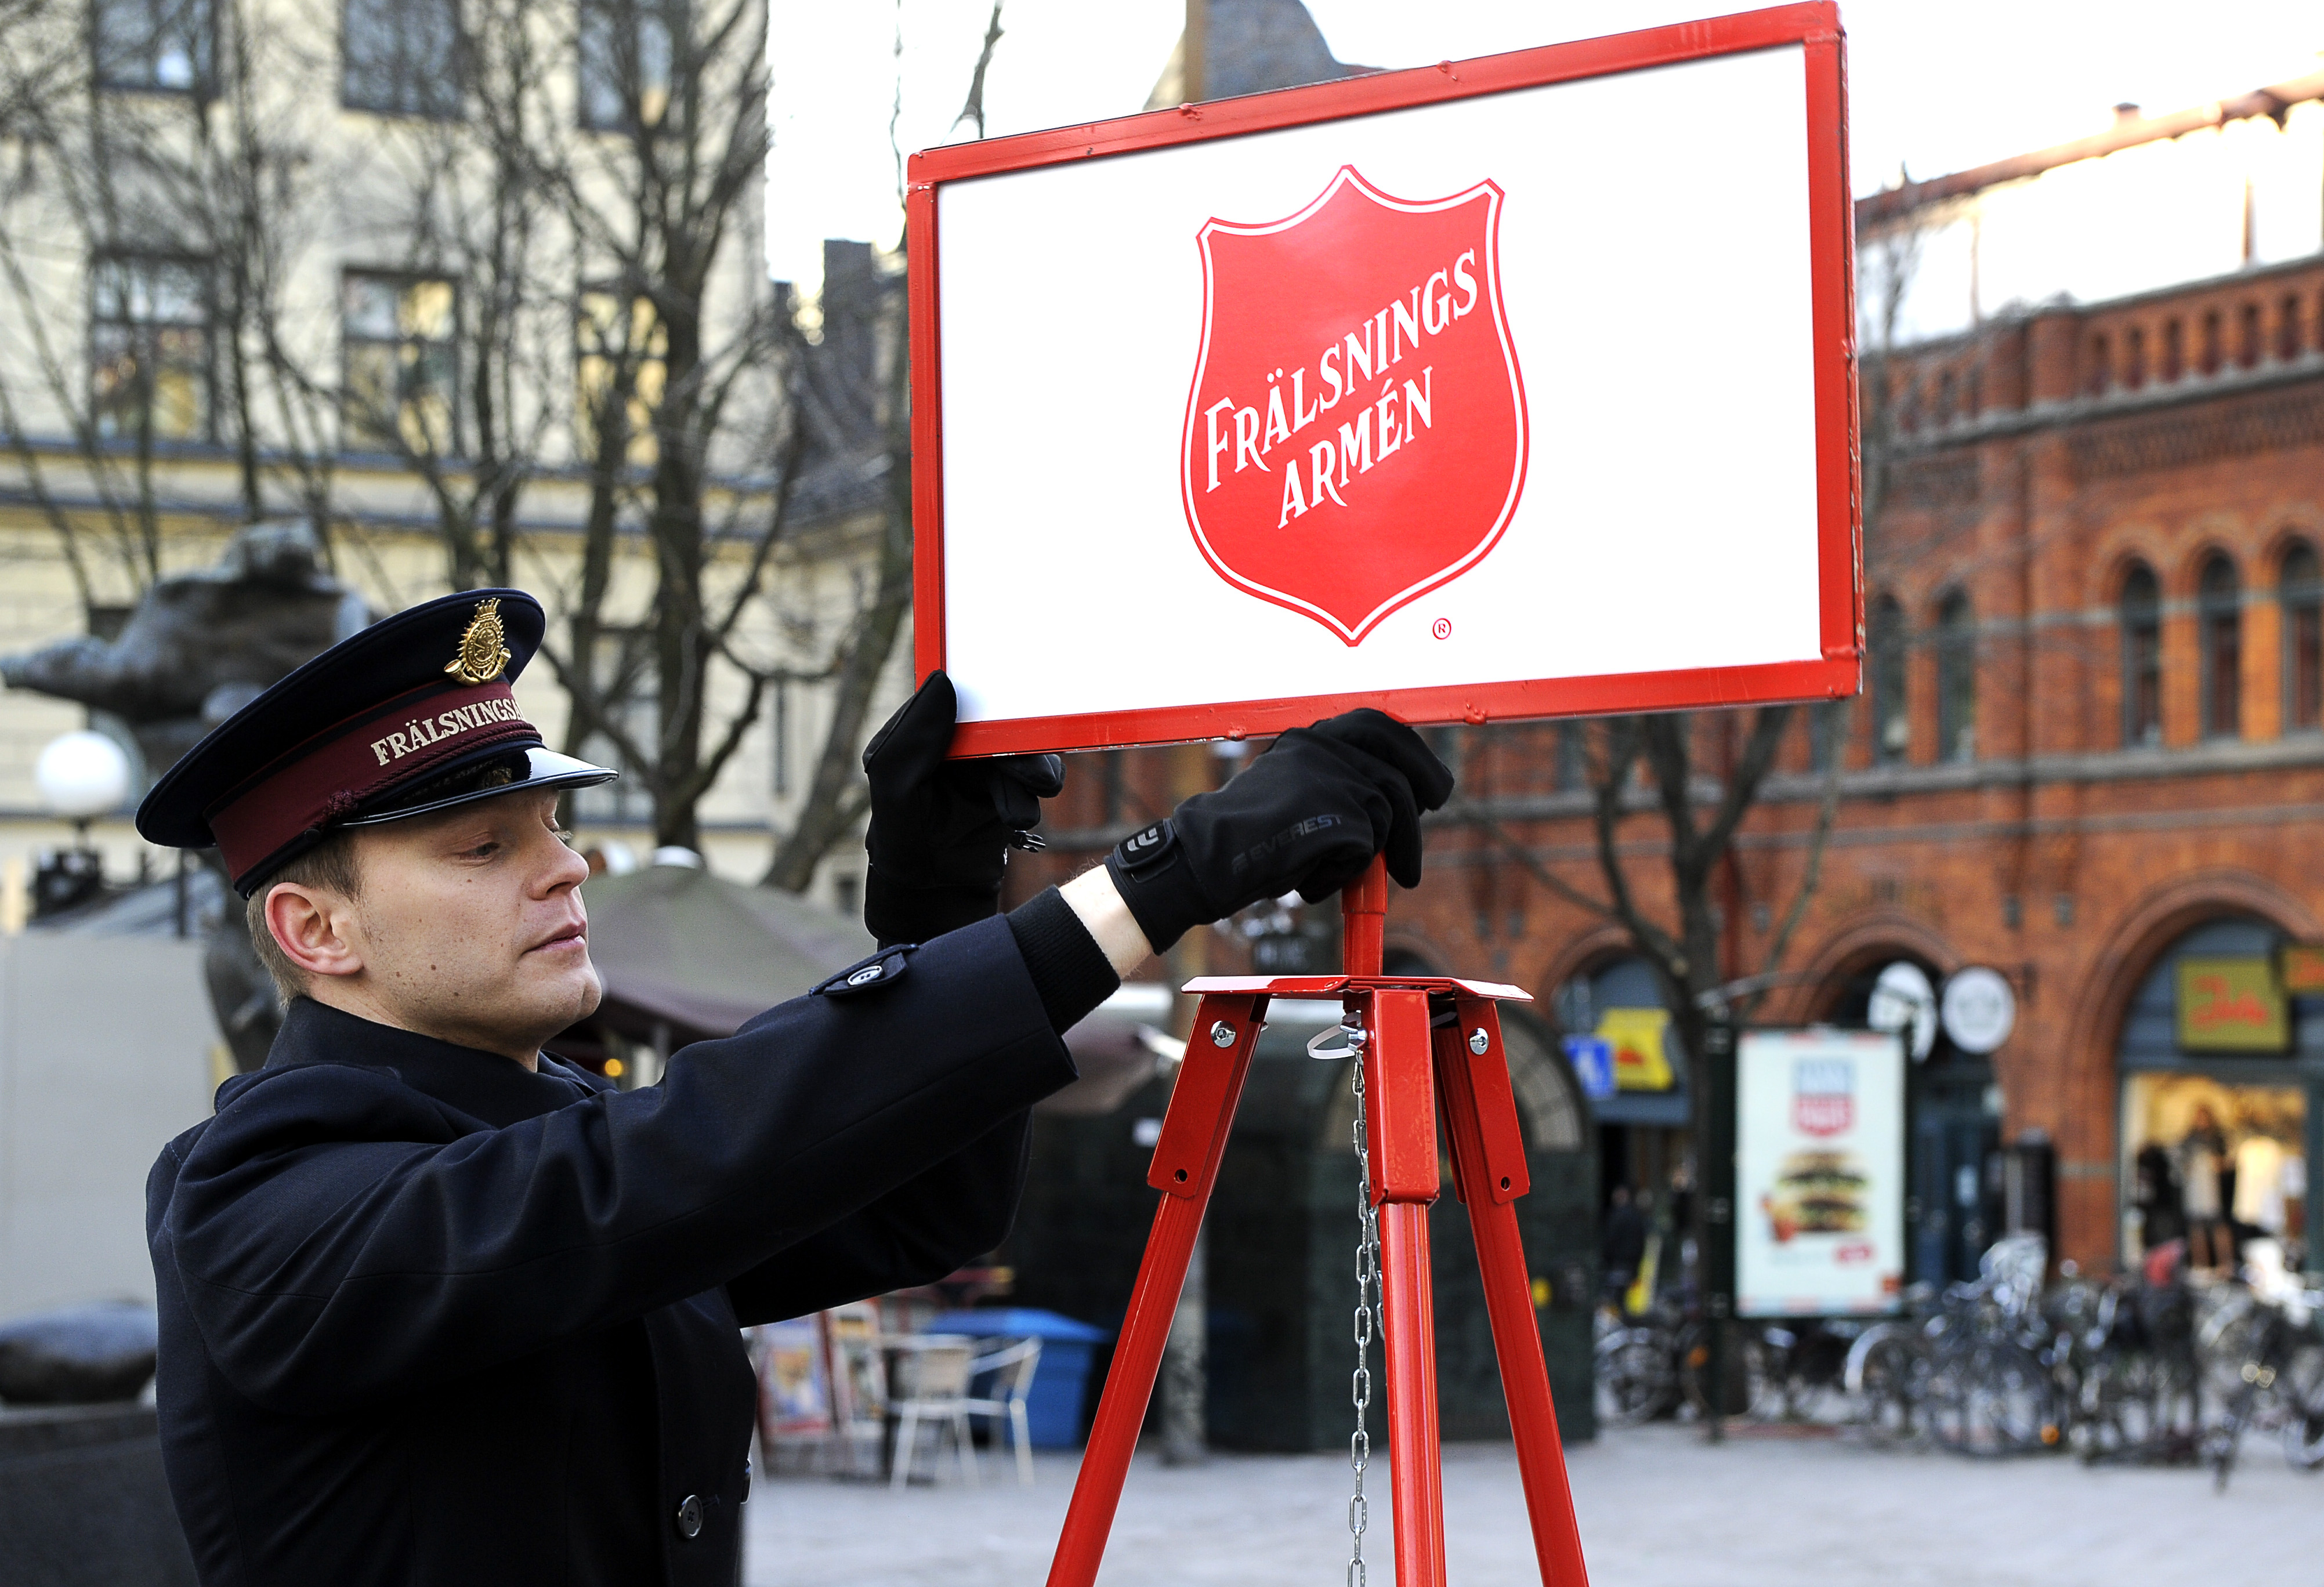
<point x="1053" y="1408"/>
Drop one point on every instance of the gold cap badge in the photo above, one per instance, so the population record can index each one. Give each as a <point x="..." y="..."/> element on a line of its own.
<point x="483" y="653"/>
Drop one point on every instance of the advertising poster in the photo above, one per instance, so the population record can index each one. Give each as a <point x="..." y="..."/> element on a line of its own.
<point x="1819" y="1173"/>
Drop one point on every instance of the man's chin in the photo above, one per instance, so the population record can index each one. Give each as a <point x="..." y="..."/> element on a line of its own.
<point x="574" y="994"/>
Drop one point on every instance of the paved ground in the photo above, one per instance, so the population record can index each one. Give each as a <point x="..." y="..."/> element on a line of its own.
<point x="1658" y="1509"/>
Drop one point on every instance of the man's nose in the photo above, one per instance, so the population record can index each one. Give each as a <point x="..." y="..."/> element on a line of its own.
<point x="566" y="867"/>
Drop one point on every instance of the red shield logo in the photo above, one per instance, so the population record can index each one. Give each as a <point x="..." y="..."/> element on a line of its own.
<point x="1356" y="433"/>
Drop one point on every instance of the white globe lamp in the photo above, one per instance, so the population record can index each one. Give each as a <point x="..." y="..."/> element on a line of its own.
<point x="82" y="776"/>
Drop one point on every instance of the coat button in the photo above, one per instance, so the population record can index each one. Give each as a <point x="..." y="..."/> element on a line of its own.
<point x="690" y="1516"/>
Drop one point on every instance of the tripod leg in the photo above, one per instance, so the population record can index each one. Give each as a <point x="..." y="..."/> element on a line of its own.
<point x="1402" y="1120"/>
<point x="1185" y="1167"/>
<point x="1489" y="1173"/>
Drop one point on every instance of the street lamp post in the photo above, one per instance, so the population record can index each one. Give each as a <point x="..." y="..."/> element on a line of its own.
<point x="81" y="776"/>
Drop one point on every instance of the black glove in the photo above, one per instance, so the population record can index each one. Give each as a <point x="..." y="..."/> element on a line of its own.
<point x="1308" y="814"/>
<point x="941" y="830"/>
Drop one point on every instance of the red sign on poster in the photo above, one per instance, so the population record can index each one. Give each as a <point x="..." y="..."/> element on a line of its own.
<point x="1356" y="433"/>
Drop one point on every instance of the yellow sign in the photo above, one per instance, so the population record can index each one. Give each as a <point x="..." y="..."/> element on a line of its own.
<point x="2231" y="1006"/>
<point x="2303" y="968"/>
<point x="1641" y="1062"/>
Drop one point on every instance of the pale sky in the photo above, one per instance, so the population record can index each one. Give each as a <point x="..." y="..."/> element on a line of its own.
<point x="1936" y="84"/>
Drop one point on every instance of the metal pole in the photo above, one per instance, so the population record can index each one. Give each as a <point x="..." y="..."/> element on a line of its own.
<point x="1715" y="1194"/>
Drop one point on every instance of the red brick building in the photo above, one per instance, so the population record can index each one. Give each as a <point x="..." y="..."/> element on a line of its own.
<point x="2091" y="748"/>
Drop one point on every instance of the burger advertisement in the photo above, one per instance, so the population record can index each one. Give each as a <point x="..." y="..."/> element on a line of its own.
<point x="1819" y="1173"/>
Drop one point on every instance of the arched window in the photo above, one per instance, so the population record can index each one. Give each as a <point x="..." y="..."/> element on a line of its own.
<point x="2142" y="658"/>
<point x="2219" y="605"/>
<point x="2174" y="350"/>
<point x="1828" y="726"/>
<point x="1956" y="678"/>
<point x="1892" y="725"/>
<point x="2210" y="363"/>
<point x="2133" y="357"/>
<point x="2300" y="587"/>
<point x="2101" y="366"/>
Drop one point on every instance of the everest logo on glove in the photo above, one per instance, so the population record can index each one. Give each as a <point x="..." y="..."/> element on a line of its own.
<point x="1355" y="436"/>
<point x="1284" y="838"/>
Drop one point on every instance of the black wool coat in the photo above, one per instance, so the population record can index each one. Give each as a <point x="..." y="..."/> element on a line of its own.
<point x="429" y="1318"/>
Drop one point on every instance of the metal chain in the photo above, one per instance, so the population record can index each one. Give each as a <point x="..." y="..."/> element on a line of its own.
<point x="1368" y="1273"/>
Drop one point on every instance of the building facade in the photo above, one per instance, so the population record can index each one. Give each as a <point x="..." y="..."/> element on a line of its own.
<point x="436" y="280"/>
<point x="2091" y="750"/>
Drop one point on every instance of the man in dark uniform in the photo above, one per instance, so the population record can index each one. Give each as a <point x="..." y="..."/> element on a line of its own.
<point x="438" y="1308"/>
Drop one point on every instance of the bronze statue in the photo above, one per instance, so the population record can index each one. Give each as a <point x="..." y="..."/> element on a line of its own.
<point x="199" y="647"/>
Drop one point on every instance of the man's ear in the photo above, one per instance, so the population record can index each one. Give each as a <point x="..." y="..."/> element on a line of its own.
<point x="314" y="927"/>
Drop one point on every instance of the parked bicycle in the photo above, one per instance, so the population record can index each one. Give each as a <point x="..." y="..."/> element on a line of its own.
<point x="2265" y="1350"/>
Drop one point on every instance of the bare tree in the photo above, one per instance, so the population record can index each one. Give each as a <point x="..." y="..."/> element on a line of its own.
<point x="872" y="394"/>
<point x="146" y="244"/>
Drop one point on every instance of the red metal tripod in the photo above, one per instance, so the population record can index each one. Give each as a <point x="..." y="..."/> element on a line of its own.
<point x="1409" y="1068"/>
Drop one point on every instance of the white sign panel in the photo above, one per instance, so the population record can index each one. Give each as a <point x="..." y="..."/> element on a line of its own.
<point x="1470" y="404"/>
<point x="1819" y="1173"/>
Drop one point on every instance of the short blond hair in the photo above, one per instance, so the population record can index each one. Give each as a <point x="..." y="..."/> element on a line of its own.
<point x="330" y="864"/>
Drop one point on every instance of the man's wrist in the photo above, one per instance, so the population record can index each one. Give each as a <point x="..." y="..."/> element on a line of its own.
<point x="1098" y="903"/>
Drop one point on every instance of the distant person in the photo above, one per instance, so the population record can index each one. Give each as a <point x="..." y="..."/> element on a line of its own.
<point x="437" y="1309"/>
<point x="2155" y="1194"/>
<point x="2202" y="1161"/>
<point x="1623" y="1244"/>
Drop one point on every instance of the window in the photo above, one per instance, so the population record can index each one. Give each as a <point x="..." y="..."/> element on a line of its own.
<point x="1908" y="406"/>
<point x="1113" y="789"/>
<point x="2142" y="658"/>
<point x="2247" y="345"/>
<point x="2300" y="588"/>
<point x="1891" y="725"/>
<point x="2287" y="330"/>
<point x="2219" y="609"/>
<point x="1573" y="757"/>
<point x="2174" y="350"/>
<point x="1956" y="678"/>
<point x="624" y="355"/>
<point x="402" y="57"/>
<point x="778" y="726"/>
<point x="623" y="672"/>
<point x="1828" y="726"/>
<point x="2133" y="357"/>
<point x="153" y="44"/>
<point x="149" y="349"/>
<point x="2211" y="355"/>
<point x="2101" y="366"/>
<point x="625" y="48"/>
<point x="401" y="386"/>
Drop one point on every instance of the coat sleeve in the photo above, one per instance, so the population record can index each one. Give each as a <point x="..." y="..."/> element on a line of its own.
<point x="338" y="1243"/>
<point x="945" y="1218"/>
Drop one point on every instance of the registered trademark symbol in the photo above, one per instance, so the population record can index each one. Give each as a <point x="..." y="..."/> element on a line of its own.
<point x="1442" y="628"/>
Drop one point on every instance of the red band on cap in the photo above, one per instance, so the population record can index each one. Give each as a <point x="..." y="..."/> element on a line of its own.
<point x="350" y="765"/>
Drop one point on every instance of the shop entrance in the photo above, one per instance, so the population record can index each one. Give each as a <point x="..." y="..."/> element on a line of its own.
<point x="2222" y="1072"/>
<point x="1952" y="1141"/>
<point x="1643" y="1147"/>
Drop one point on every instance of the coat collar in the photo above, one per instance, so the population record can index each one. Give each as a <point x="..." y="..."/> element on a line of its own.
<point x="484" y="1085"/>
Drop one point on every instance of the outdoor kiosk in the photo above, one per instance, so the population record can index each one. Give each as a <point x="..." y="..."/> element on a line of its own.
<point x="1505" y="388"/>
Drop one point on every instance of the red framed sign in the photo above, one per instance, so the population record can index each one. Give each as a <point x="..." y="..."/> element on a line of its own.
<point x="1515" y="387"/>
